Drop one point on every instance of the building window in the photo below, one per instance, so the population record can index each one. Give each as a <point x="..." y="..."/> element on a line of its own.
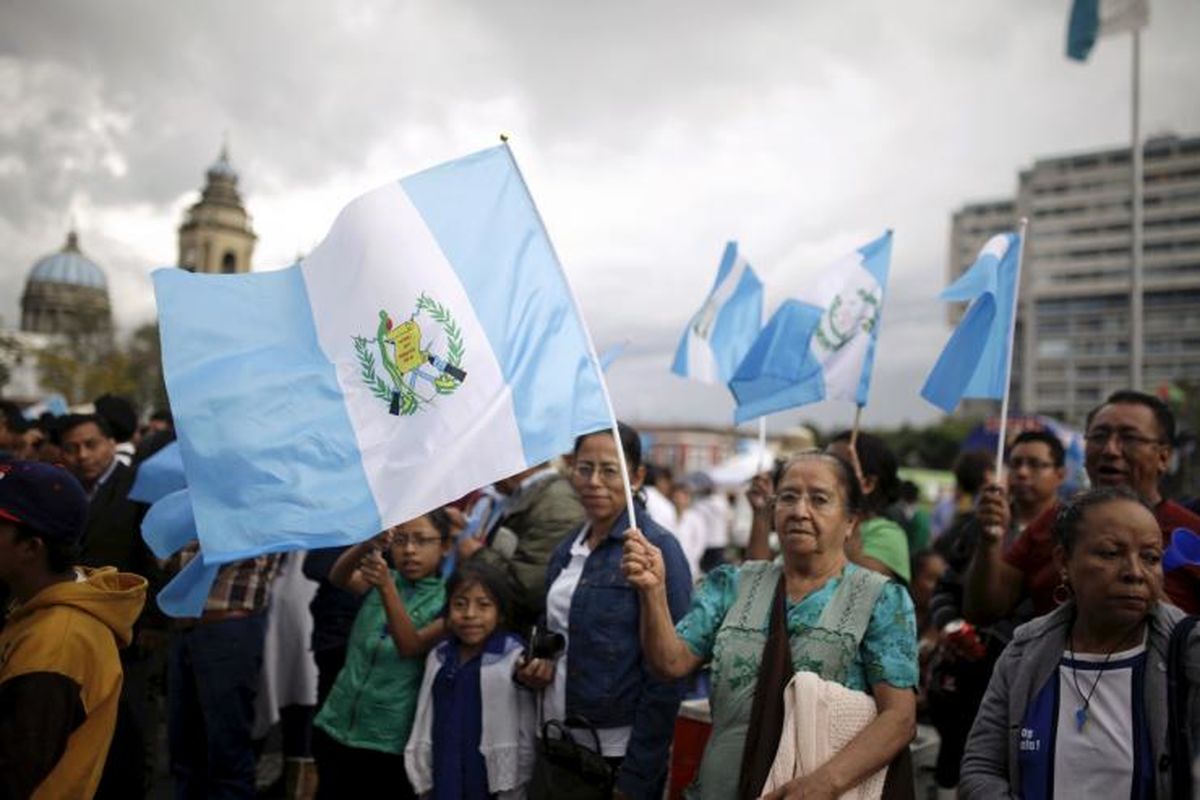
<point x="229" y="263"/>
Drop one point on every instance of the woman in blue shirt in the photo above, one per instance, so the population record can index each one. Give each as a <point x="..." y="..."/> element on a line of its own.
<point x="601" y="675"/>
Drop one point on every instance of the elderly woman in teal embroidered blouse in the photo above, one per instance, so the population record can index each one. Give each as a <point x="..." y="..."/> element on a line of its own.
<point x="844" y="623"/>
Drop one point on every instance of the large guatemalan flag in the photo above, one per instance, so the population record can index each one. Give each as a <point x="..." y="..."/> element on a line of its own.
<point x="976" y="359"/>
<point x="720" y="333"/>
<point x="822" y="345"/>
<point x="428" y="346"/>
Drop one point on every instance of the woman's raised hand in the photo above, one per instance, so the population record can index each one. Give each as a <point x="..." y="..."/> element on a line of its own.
<point x="759" y="493"/>
<point x="642" y="562"/>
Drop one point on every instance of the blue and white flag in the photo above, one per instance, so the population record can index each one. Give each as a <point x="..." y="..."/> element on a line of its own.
<point x="53" y="404"/>
<point x="721" y="332"/>
<point x="820" y="346"/>
<point x="1094" y="18"/>
<point x="975" y="361"/>
<point x="428" y="346"/>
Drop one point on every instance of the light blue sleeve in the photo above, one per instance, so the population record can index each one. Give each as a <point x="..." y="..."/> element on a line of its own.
<point x="889" y="648"/>
<point x="710" y="603"/>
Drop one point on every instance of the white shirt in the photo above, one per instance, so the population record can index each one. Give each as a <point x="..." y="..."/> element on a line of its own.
<point x="693" y="538"/>
<point x="613" y="741"/>
<point x="717" y="515"/>
<point x="660" y="509"/>
<point x="1098" y="760"/>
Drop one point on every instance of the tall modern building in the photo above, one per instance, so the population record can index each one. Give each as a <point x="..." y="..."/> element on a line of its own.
<point x="1073" y="327"/>
<point x="216" y="234"/>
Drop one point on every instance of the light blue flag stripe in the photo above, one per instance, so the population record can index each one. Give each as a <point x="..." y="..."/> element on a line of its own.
<point x="975" y="360"/>
<point x="516" y="286"/>
<point x="612" y="354"/>
<point x="1083" y="28"/>
<point x="169" y="524"/>
<point x="877" y="260"/>
<point x="264" y="339"/>
<point x="948" y="380"/>
<point x="735" y="325"/>
<point x="159" y="475"/>
<point x="187" y="593"/>
<point x="780" y="371"/>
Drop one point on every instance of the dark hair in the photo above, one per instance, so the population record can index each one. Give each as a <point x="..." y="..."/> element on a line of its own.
<point x="875" y="459"/>
<point x="656" y="472"/>
<point x="163" y="415"/>
<point x="922" y="557"/>
<point x="441" y="522"/>
<point x="120" y="414"/>
<point x="480" y="573"/>
<point x="14" y="420"/>
<point x="1066" y="522"/>
<point x="971" y="469"/>
<point x="631" y="443"/>
<point x="70" y="422"/>
<point x="60" y="556"/>
<point x="851" y="491"/>
<point x="1057" y="454"/>
<point x="1162" y="412"/>
<point x="909" y="492"/>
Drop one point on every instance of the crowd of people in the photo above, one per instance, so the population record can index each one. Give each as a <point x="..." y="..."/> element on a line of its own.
<point x="532" y="640"/>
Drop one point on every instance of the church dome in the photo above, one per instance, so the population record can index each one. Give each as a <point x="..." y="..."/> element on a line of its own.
<point x="69" y="266"/>
<point x="221" y="168"/>
<point x="67" y="294"/>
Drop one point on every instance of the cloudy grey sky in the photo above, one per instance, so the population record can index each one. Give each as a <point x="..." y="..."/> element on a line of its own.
<point x="650" y="133"/>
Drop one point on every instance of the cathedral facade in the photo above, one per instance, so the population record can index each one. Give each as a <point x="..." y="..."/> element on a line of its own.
<point x="66" y="296"/>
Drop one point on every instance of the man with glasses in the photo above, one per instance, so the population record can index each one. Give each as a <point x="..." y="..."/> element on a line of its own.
<point x="958" y="675"/>
<point x="1036" y="470"/>
<point x="1129" y="439"/>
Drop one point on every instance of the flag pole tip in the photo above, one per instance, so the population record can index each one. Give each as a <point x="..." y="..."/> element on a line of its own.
<point x="504" y="138"/>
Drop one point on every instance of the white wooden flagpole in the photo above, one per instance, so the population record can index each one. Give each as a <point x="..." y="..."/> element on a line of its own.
<point x="1135" y="272"/>
<point x="1012" y="332"/>
<point x="587" y="335"/>
<point x="762" y="444"/>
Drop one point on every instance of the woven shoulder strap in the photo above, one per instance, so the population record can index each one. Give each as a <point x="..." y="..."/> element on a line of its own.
<point x="849" y="610"/>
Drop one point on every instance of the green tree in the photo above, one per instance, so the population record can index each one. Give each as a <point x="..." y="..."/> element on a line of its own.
<point x="132" y="369"/>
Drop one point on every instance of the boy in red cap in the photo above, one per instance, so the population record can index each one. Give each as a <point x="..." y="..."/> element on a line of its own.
<point x="60" y="675"/>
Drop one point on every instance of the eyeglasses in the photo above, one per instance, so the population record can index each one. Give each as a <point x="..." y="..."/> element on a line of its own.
<point x="1033" y="464"/>
<point x="817" y="501"/>
<point x="609" y="473"/>
<point x="403" y="541"/>
<point x="1128" y="440"/>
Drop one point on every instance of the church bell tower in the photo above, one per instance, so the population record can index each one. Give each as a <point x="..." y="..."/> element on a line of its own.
<point x="216" y="235"/>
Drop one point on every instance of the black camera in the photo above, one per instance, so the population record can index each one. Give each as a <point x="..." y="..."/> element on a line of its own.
<point x="545" y="644"/>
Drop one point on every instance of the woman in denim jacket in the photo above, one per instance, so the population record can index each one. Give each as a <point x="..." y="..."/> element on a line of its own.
<point x="601" y="675"/>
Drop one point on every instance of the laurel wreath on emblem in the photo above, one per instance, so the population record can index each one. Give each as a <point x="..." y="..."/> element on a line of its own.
<point x="413" y="375"/>
<point x="866" y="320"/>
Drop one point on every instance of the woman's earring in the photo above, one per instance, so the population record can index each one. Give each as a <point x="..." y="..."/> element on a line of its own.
<point x="1062" y="592"/>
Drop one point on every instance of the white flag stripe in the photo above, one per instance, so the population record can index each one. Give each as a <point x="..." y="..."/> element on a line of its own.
<point x="347" y="288"/>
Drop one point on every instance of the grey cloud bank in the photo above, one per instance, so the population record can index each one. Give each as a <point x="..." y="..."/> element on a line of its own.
<point x="650" y="134"/>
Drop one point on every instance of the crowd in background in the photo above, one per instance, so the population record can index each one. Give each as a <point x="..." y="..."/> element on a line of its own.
<point x="1032" y="631"/>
